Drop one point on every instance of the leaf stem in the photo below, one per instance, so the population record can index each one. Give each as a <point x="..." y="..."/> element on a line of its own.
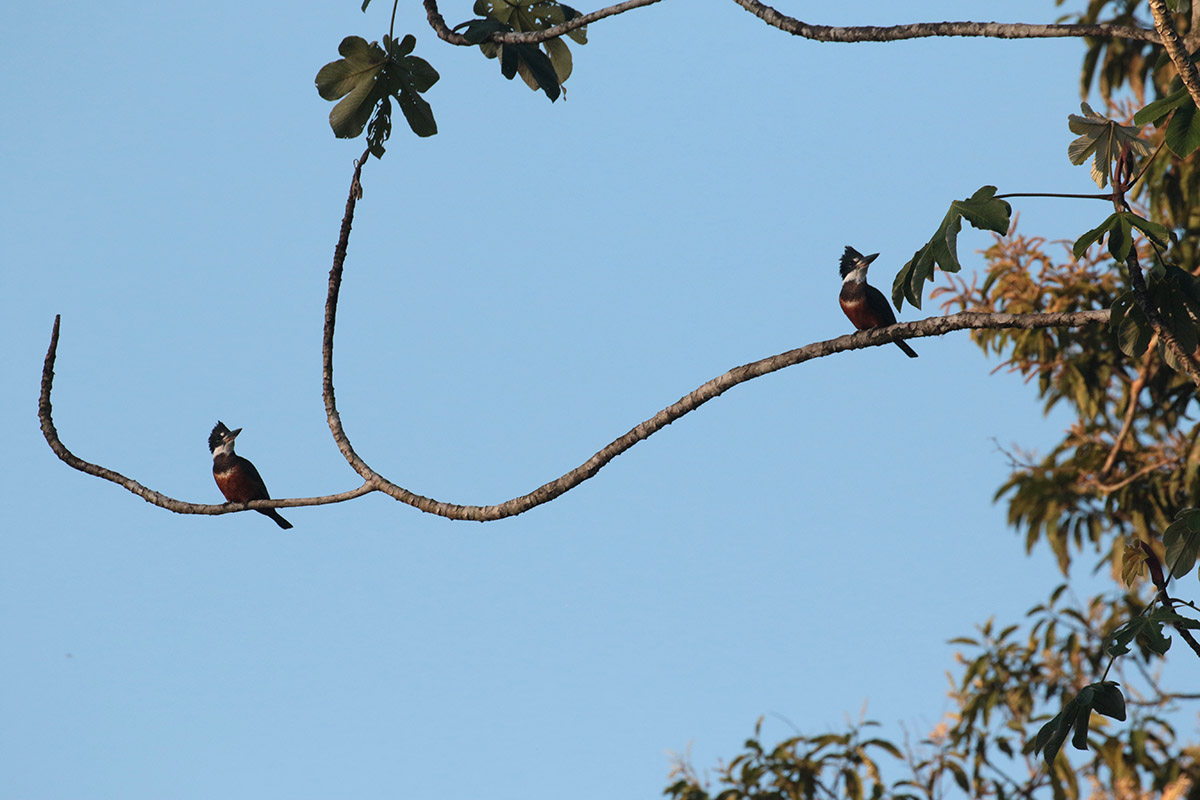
<point x="1107" y="196"/>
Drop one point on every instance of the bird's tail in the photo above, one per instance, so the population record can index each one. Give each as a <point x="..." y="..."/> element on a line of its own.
<point x="908" y="351"/>
<point x="283" y="523"/>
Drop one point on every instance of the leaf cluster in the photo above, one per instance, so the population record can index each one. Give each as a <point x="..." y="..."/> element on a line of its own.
<point x="367" y="78"/>
<point x="1131" y="459"/>
<point x="1104" y="698"/>
<point x="546" y="66"/>
<point x="828" y="765"/>
<point x="1012" y="679"/>
<point x="1104" y="140"/>
<point x="982" y="209"/>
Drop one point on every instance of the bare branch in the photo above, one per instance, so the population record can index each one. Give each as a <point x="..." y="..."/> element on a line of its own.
<point x="45" y="414"/>
<point x="934" y="326"/>
<point x="920" y="30"/>
<point x="373" y="481"/>
<point x="438" y="23"/>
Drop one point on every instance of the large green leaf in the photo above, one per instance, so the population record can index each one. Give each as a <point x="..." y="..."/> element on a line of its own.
<point x="359" y="65"/>
<point x="366" y="78"/>
<point x="1183" y="131"/>
<point x="1155" y="112"/>
<point x="982" y="209"/>
<point x="1182" y="542"/>
<point x="1103" y="139"/>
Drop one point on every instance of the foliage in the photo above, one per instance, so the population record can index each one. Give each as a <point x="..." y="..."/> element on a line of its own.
<point x="982" y="209"/>
<point x="1011" y="680"/>
<point x="366" y="78"/>
<point x="544" y="67"/>
<point x="1122" y="482"/>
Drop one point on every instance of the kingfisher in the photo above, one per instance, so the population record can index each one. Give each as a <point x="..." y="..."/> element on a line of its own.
<point x="863" y="303"/>
<point x="236" y="477"/>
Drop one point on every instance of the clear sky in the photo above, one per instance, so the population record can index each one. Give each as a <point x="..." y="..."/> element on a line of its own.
<point x="521" y="289"/>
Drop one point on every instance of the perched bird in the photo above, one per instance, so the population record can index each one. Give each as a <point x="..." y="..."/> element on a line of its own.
<point x="863" y="303"/>
<point x="236" y="477"/>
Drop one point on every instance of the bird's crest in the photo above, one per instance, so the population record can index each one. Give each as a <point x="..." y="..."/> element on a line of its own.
<point x="851" y="260"/>
<point x="219" y="434"/>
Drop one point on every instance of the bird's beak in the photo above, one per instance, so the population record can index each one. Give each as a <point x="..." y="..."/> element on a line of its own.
<point x="867" y="259"/>
<point x="233" y="434"/>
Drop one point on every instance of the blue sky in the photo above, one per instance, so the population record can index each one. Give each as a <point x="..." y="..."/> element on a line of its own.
<point x="521" y="289"/>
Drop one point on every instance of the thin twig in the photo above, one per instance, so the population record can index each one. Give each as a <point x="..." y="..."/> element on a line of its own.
<point x="1110" y="488"/>
<point x="1105" y="196"/>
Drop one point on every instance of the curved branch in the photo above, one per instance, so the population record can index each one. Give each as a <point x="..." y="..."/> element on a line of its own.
<point x="934" y="326"/>
<point x="45" y="415"/>
<point x="373" y="481"/>
<point x="820" y="33"/>
<point x="1176" y="49"/>
<point x="920" y="30"/>
<point x="438" y="23"/>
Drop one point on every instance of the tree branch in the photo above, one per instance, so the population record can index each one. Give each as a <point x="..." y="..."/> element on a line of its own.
<point x="820" y="33"/>
<point x="919" y="30"/>
<point x="45" y="415"/>
<point x="373" y="481"/>
<point x="438" y="23"/>
<point x="1175" y="49"/>
<point x="934" y="326"/>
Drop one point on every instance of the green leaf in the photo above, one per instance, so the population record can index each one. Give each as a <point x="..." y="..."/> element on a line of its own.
<point x="1103" y="139"/>
<point x="1093" y="236"/>
<point x="360" y="64"/>
<point x="1182" y="544"/>
<point x="418" y="113"/>
<point x="560" y="58"/>
<point x="1183" y="131"/>
<point x="960" y="776"/>
<point x="350" y="115"/>
<point x="543" y="67"/>
<point x="1120" y="236"/>
<point x="1135" y="332"/>
<point x="1156" y="641"/>
<point x="1156" y="111"/>
<point x="1109" y="701"/>
<point x="1050" y="737"/>
<point x="366" y="77"/>
<point x="380" y="128"/>
<point x="538" y="71"/>
<point x="421" y="73"/>
<point x="477" y="30"/>
<point x="1159" y="234"/>
<point x="982" y="210"/>
<point x="1180" y="321"/>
